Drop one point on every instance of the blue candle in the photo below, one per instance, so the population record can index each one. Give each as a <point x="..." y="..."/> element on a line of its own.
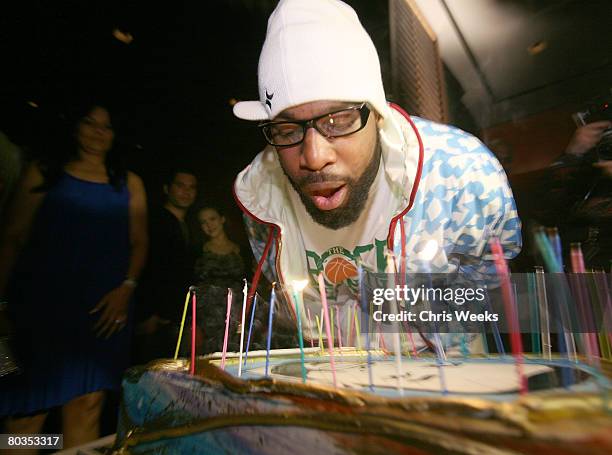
<point x="246" y="354"/>
<point x="271" y="314"/>
<point x="426" y="256"/>
<point x="555" y="241"/>
<point x="364" y="306"/>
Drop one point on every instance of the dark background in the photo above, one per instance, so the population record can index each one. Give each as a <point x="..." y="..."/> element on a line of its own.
<point x="169" y="90"/>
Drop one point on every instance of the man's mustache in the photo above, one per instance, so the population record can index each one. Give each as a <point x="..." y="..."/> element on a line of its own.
<point x="321" y="177"/>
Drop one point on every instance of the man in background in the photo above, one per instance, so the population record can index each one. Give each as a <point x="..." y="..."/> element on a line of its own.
<point x="169" y="270"/>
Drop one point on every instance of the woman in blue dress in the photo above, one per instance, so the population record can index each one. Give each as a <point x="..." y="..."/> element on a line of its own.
<point x="70" y="255"/>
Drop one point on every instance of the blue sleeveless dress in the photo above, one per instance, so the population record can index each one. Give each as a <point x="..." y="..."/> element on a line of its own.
<point x="78" y="250"/>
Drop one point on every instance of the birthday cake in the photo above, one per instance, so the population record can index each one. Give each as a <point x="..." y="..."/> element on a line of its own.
<point x="446" y="398"/>
<point x="461" y="406"/>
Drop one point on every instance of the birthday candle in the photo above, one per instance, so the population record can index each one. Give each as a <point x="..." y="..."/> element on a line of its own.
<point x="333" y="324"/>
<point x="577" y="258"/>
<point x="270" y="316"/>
<point x="348" y="324"/>
<point x="605" y="301"/>
<point x="180" y="337"/>
<point x="582" y="293"/>
<point x="596" y="309"/>
<point x="440" y="360"/>
<point x="320" y="329"/>
<point x="193" y="333"/>
<point x="426" y="256"/>
<point x="227" y="321"/>
<point x="555" y="241"/>
<point x="510" y="306"/>
<point x="310" y="325"/>
<point x="534" y="310"/>
<point x="244" y="293"/>
<point x="542" y="301"/>
<point x="364" y="305"/>
<point x="298" y="287"/>
<point x="327" y="327"/>
<point x="547" y="251"/>
<point x="567" y="311"/>
<point x="465" y="351"/>
<point x="357" y="328"/>
<point x="602" y="295"/>
<point x="551" y="261"/>
<point x="339" y="331"/>
<point x="485" y="343"/>
<point x="380" y="339"/>
<point x="567" y="344"/>
<point x="246" y="354"/>
<point x="603" y="289"/>
<point x="499" y="344"/>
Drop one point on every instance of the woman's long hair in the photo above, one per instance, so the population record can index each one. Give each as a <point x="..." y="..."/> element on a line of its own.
<point x="65" y="149"/>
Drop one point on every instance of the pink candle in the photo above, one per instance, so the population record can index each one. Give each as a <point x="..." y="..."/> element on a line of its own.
<point x="193" y="333"/>
<point x="511" y="310"/>
<point x="327" y="327"/>
<point x="582" y="292"/>
<point x="338" y="324"/>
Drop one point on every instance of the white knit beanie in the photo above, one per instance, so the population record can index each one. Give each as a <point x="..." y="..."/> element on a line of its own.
<point x="315" y="50"/>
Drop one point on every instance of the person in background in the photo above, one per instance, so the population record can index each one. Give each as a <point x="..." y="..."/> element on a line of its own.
<point x="169" y="270"/>
<point x="220" y="266"/>
<point x="574" y="195"/>
<point x="581" y="193"/>
<point x="220" y="260"/>
<point x="585" y="138"/>
<point x="71" y="253"/>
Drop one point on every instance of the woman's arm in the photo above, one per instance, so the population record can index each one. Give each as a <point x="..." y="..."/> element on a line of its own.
<point x="18" y="220"/>
<point x="114" y="305"/>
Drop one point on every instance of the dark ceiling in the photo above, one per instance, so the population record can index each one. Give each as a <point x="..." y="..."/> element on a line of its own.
<point x="514" y="58"/>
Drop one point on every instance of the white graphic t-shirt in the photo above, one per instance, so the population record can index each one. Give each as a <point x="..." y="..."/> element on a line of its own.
<point x="338" y="253"/>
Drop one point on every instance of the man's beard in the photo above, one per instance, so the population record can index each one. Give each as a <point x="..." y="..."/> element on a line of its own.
<point x="358" y="191"/>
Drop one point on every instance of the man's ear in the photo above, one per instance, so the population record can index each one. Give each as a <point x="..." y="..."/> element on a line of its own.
<point x="379" y="120"/>
<point x="165" y="187"/>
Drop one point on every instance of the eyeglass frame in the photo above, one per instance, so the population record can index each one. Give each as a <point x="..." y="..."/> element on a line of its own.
<point x="364" y="112"/>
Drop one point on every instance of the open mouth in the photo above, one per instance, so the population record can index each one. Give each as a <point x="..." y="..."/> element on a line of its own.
<point x="327" y="196"/>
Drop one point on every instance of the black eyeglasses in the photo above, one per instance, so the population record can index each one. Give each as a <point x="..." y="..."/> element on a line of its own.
<point x="333" y="124"/>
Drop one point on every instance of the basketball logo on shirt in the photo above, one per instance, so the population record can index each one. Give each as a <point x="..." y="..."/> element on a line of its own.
<point x="338" y="269"/>
<point x="339" y="265"/>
